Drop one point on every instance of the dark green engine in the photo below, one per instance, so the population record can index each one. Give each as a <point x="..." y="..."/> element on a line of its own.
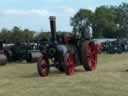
<point x="65" y="53"/>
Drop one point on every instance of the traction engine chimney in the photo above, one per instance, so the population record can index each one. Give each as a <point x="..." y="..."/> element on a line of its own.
<point x="53" y="27"/>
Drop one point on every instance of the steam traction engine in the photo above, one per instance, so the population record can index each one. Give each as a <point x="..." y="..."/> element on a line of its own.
<point x="65" y="53"/>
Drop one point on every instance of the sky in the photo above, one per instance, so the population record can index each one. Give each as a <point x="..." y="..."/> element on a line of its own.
<point x="34" y="14"/>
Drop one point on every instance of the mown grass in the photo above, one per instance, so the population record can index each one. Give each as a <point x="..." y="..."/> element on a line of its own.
<point x="110" y="79"/>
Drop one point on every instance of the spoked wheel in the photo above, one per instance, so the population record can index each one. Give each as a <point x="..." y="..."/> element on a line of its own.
<point x="43" y="66"/>
<point x="89" y="55"/>
<point x="69" y="63"/>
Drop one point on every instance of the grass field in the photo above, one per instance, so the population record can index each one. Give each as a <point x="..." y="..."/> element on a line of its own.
<point x="110" y="79"/>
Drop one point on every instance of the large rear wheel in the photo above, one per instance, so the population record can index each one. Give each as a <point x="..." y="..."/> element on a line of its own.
<point x="89" y="55"/>
<point x="43" y="66"/>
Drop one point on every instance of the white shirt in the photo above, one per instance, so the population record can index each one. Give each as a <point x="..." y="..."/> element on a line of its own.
<point x="91" y="32"/>
<point x="88" y="32"/>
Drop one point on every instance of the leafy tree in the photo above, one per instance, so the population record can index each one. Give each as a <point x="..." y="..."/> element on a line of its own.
<point x="16" y="35"/>
<point x="28" y="35"/>
<point x="5" y="35"/>
<point x="105" y="25"/>
<point x="122" y="19"/>
<point x="41" y="35"/>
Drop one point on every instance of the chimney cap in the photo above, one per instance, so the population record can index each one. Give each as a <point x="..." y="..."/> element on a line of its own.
<point x="52" y="17"/>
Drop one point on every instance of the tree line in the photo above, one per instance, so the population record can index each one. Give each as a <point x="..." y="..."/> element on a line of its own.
<point x="17" y="34"/>
<point x="107" y="21"/>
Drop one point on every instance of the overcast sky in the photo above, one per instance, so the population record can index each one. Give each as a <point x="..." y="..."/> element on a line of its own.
<point x="34" y="14"/>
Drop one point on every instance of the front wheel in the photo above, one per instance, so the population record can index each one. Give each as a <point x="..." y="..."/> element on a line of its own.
<point x="69" y="63"/>
<point x="43" y="66"/>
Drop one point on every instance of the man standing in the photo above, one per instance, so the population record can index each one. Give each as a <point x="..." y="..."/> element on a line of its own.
<point x="87" y="32"/>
